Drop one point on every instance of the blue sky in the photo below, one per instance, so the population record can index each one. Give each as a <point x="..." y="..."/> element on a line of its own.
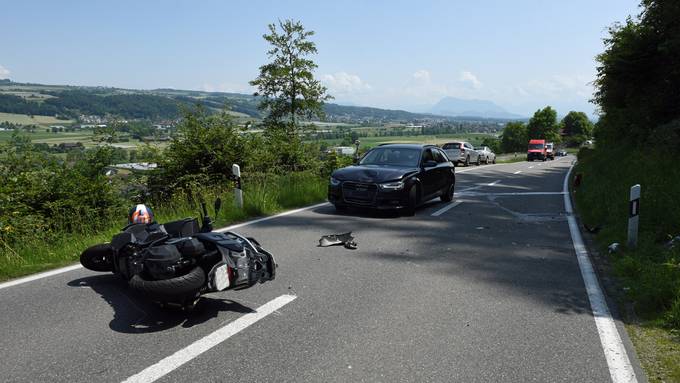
<point x="522" y="55"/>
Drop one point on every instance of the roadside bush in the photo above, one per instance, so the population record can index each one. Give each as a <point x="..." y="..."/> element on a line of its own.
<point x="650" y="271"/>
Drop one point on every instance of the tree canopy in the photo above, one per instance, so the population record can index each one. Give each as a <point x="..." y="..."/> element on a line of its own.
<point x="514" y="137"/>
<point x="543" y="124"/>
<point x="638" y="78"/>
<point x="286" y="85"/>
<point x="576" y="127"/>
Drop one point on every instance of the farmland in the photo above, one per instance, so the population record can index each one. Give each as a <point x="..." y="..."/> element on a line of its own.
<point x="23" y="119"/>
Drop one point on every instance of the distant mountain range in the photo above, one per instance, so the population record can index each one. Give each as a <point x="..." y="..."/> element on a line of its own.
<point x="72" y="101"/>
<point x="458" y="107"/>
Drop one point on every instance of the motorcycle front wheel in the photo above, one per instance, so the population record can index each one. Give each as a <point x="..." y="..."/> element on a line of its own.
<point x="98" y="257"/>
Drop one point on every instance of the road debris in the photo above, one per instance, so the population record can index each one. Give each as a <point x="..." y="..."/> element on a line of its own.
<point x="613" y="248"/>
<point x="344" y="239"/>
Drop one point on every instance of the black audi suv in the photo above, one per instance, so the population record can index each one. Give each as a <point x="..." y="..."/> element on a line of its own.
<point x="394" y="176"/>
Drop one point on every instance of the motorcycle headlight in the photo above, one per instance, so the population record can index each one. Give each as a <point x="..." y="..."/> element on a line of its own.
<point x="335" y="182"/>
<point x="392" y="185"/>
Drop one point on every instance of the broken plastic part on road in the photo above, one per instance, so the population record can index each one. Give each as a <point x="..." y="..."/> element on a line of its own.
<point x="345" y="239"/>
<point x="613" y="248"/>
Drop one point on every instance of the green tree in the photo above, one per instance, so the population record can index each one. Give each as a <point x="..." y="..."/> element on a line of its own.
<point x="544" y="125"/>
<point x="638" y="79"/>
<point x="576" y="127"/>
<point x="286" y="85"/>
<point x="202" y="153"/>
<point x="493" y="143"/>
<point x="514" y="137"/>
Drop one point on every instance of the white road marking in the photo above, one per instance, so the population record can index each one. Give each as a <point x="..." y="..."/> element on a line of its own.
<point x="446" y="208"/>
<point x="493" y="183"/>
<point x="478" y="194"/>
<point x="620" y="368"/>
<point x="39" y="276"/>
<point x="172" y="362"/>
<point x="61" y="270"/>
<point x="531" y="167"/>
<point x="285" y="213"/>
<point x="517" y="172"/>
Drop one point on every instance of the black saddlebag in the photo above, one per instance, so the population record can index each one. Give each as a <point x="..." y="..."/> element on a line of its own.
<point x="161" y="261"/>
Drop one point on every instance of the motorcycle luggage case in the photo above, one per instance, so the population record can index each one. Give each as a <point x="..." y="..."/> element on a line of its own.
<point x="182" y="228"/>
<point x="160" y="261"/>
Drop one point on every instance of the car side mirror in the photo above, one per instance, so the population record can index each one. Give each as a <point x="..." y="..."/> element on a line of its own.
<point x="430" y="164"/>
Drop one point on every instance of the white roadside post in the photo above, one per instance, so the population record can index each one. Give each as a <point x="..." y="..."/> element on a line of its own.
<point x="238" y="192"/>
<point x="634" y="216"/>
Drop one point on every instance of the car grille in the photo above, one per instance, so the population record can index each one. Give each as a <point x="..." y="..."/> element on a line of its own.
<point x="359" y="193"/>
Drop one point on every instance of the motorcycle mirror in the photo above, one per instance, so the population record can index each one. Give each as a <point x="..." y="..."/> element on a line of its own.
<point x="218" y="205"/>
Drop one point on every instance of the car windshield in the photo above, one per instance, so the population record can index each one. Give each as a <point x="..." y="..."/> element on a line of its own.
<point x="392" y="156"/>
<point x="535" y="146"/>
<point x="454" y="145"/>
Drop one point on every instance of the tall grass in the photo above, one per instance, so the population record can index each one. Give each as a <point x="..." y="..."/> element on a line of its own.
<point x="263" y="194"/>
<point x="652" y="270"/>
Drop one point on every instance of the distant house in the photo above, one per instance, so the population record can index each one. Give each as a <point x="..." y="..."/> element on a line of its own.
<point x="139" y="166"/>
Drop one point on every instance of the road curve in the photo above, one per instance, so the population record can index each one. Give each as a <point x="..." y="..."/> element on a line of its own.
<point x="485" y="289"/>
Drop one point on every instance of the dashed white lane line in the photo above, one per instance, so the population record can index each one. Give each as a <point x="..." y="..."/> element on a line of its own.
<point x="446" y="208"/>
<point x="172" y="362"/>
<point x="620" y="368"/>
<point x="517" y="172"/>
<point x="531" y="167"/>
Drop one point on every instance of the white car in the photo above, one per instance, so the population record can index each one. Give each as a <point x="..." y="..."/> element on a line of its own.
<point x="486" y="155"/>
<point x="461" y="152"/>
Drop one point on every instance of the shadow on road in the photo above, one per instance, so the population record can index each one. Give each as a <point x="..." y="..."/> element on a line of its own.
<point x="133" y="313"/>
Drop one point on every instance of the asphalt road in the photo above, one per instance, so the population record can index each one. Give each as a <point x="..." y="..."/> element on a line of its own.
<point x="488" y="290"/>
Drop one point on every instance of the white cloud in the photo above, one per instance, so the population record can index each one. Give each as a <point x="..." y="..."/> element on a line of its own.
<point x="345" y="84"/>
<point x="469" y="78"/>
<point x="4" y="72"/>
<point x="562" y="86"/>
<point x="422" y="75"/>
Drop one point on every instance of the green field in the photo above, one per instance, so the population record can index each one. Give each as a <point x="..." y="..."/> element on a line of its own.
<point x="23" y="119"/>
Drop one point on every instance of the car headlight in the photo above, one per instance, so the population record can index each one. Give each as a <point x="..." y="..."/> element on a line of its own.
<point x="335" y="182"/>
<point x="392" y="185"/>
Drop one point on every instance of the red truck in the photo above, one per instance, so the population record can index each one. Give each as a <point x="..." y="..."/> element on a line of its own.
<point x="537" y="150"/>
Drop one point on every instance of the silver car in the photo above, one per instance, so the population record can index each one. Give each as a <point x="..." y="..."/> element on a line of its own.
<point x="486" y="155"/>
<point x="461" y="152"/>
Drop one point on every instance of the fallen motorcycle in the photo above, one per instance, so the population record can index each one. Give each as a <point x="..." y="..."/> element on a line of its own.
<point x="177" y="262"/>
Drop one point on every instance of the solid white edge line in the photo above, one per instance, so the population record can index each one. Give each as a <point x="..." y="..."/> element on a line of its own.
<point x="517" y="172"/>
<point x="285" y="213"/>
<point x="446" y="208"/>
<point x="620" y="368"/>
<point x="61" y="270"/>
<point x="172" y="362"/>
<point x="34" y="277"/>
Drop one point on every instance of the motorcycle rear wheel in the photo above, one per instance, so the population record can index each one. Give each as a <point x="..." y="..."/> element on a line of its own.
<point x="171" y="289"/>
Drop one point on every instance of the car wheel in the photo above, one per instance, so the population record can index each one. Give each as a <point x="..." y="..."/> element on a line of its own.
<point x="410" y="209"/>
<point x="467" y="161"/>
<point x="486" y="160"/>
<point x="340" y="208"/>
<point x="479" y="161"/>
<point x="448" y="194"/>
<point x="494" y="160"/>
